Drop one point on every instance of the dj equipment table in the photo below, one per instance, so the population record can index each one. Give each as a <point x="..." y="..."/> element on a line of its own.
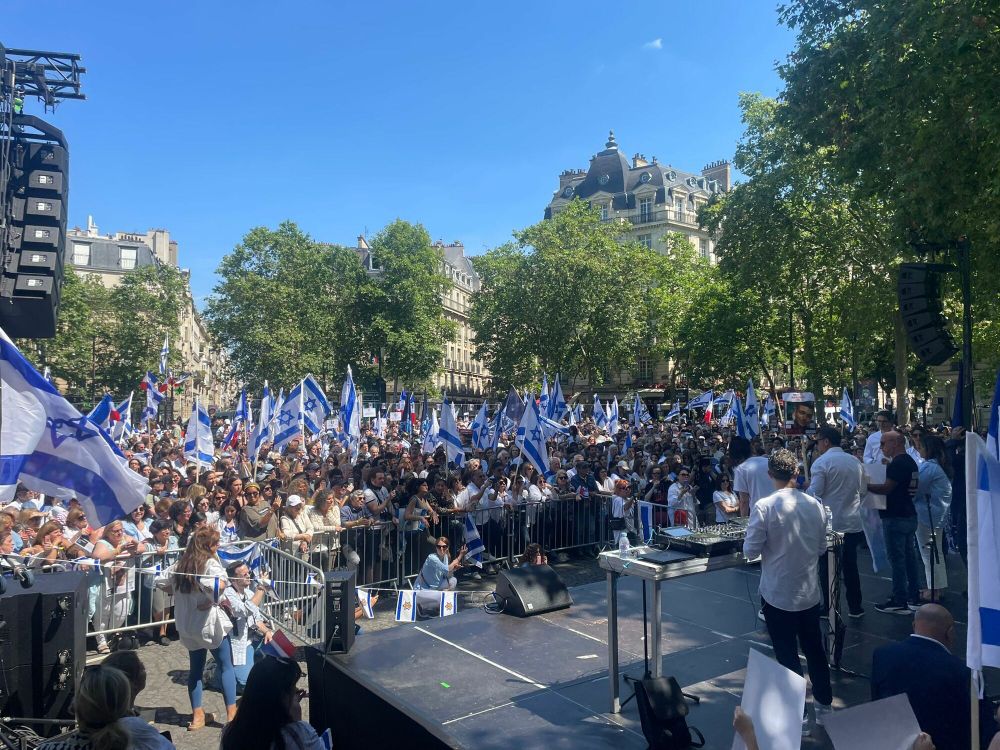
<point x="660" y="566"/>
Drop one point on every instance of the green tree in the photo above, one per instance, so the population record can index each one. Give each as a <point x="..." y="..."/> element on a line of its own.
<point x="404" y="318"/>
<point x="286" y="305"/>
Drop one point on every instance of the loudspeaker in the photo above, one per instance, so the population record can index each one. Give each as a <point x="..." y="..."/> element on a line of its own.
<point x="531" y="590"/>
<point x="919" y="292"/>
<point x="340" y="601"/>
<point x="32" y="268"/>
<point x="43" y="647"/>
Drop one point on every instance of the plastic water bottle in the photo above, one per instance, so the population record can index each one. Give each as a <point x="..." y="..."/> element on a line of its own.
<point x="623" y="545"/>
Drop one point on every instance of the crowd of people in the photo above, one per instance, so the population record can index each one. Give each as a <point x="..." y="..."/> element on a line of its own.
<point x="367" y="506"/>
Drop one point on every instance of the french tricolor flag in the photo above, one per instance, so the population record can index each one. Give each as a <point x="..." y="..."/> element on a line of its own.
<point x="279" y="646"/>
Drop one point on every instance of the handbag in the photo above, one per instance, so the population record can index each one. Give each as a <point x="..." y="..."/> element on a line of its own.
<point x="662" y="711"/>
<point x="616" y="524"/>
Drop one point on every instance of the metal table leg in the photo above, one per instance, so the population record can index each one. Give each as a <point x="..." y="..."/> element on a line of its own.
<point x="613" y="641"/>
<point x="655" y="616"/>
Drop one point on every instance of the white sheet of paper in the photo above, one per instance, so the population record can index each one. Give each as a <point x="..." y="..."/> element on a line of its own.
<point x="874" y="474"/>
<point x="774" y="697"/>
<point x="888" y="724"/>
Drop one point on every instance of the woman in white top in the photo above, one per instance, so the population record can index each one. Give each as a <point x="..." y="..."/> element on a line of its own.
<point x="228" y="523"/>
<point x="198" y="581"/>
<point x="296" y="525"/>
<point x="270" y="714"/>
<point x="604" y="482"/>
<point x="727" y="505"/>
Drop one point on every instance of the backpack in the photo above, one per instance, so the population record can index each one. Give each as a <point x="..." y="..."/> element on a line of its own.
<point x="662" y="709"/>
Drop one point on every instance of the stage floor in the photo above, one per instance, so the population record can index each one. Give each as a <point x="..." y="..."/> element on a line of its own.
<point x="541" y="682"/>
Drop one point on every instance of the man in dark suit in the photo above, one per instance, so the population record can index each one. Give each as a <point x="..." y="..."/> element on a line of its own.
<point x="935" y="681"/>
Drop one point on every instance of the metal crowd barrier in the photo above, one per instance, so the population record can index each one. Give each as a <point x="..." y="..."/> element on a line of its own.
<point x="121" y="596"/>
<point x="295" y="600"/>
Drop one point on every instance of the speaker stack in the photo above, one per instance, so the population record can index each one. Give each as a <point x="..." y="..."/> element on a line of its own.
<point x="531" y="590"/>
<point x="42" y="647"/>
<point x="340" y="596"/>
<point x="919" y="289"/>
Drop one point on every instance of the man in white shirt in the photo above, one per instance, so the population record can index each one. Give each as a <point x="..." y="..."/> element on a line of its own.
<point x="750" y="478"/>
<point x="873" y="446"/>
<point x="787" y="530"/>
<point x="838" y="481"/>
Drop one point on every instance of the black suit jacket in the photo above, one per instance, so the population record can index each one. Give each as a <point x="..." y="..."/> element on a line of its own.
<point x="937" y="684"/>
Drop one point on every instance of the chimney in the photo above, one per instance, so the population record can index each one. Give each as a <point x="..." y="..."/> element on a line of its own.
<point x="362" y="243"/>
<point x="91" y="227"/>
<point x="720" y="172"/>
<point x="639" y="160"/>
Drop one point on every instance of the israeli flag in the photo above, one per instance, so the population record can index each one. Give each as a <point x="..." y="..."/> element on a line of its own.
<point x="531" y="439"/>
<point x="496" y="429"/>
<point x="240" y="416"/>
<point x="262" y="430"/>
<point x="993" y="430"/>
<point x="640" y="414"/>
<point x="725" y="399"/>
<point x="380" y="424"/>
<point x="675" y="411"/>
<point x="481" y="429"/>
<point x="52" y="448"/>
<point x="513" y="408"/>
<point x="613" y="418"/>
<point x="241" y="552"/>
<point x="289" y="419"/>
<point x="740" y="418"/>
<point x="600" y="417"/>
<point x="702" y="401"/>
<point x="543" y="397"/>
<point x="448" y="434"/>
<point x="769" y="411"/>
<point x="315" y="407"/>
<point x="557" y="403"/>
<point x="198" y="445"/>
<point x="432" y="437"/>
<point x="365" y="600"/>
<point x="153" y="397"/>
<point x="847" y="411"/>
<point x="164" y="354"/>
<point x="578" y="413"/>
<point x="751" y="413"/>
<point x="449" y="603"/>
<point x="982" y="471"/>
<point x="123" y="426"/>
<point x="551" y="427"/>
<point x="473" y="543"/>
<point x="406" y="606"/>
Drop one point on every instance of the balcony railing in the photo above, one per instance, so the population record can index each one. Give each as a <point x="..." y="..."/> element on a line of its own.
<point x="652" y="217"/>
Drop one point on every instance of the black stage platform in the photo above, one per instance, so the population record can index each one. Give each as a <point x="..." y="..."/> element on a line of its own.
<point x="480" y="680"/>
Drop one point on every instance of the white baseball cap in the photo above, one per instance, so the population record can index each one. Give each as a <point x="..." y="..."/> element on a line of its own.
<point x="293" y="500"/>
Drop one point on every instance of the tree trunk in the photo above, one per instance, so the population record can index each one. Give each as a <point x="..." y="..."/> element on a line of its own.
<point x="902" y="384"/>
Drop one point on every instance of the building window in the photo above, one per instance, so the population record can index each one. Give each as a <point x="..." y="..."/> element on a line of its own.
<point x="679" y="205"/>
<point x="127" y="257"/>
<point x="604" y="211"/>
<point x="644" y="368"/>
<point x="81" y="254"/>
<point x="646" y="240"/>
<point x="703" y="247"/>
<point x="645" y="209"/>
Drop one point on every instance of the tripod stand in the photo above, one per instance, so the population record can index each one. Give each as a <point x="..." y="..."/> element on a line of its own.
<point x="933" y="556"/>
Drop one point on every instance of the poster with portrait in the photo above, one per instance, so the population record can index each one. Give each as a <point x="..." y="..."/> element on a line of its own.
<point x="800" y="413"/>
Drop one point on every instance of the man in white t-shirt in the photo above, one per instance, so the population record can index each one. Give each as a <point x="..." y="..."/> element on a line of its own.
<point x="873" y="446"/>
<point x="751" y="481"/>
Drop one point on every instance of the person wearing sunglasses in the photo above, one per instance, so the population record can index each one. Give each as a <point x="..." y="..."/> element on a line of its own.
<point x="438" y="571"/>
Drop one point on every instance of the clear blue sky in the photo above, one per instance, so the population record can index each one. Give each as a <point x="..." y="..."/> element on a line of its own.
<point x="209" y="118"/>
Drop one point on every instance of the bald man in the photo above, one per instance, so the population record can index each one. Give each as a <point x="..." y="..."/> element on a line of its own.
<point x="899" y="524"/>
<point x="935" y="681"/>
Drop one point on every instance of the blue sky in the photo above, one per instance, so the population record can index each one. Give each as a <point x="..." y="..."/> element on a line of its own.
<point x="209" y="118"/>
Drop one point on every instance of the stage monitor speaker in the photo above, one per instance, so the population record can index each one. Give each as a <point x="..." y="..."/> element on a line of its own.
<point x="340" y="600"/>
<point x="919" y="293"/>
<point x="43" y="647"/>
<point x="531" y="590"/>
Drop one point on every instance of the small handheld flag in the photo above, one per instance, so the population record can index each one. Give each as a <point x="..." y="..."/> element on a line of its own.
<point x="279" y="646"/>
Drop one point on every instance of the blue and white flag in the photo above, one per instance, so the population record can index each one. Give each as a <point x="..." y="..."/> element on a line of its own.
<point x="600" y="417"/>
<point x="551" y="428"/>
<point x="512" y="410"/>
<point x="240" y="417"/>
<point x="198" y="445"/>
<point x="315" y="407"/>
<point x="847" y="411"/>
<point x="481" y="429"/>
<point x="613" y="418"/>
<point x="725" y="399"/>
<point x="675" y="411"/>
<point x="543" y="398"/>
<point x="496" y="429"/>
<point x="289" y="419"/>
<point x="448" y="433"/>
<point x="473" y="543"/>
<point x="640" y="414"/>
<point x="740" y="418"/>
<point x="578" y="413"/>
<point x="365" y="600"/>
<point x="153" y="397"/>
<point x="993" y="428"/>
<point x="123" y="427"/>
<point x="449" y="603"/>
<point x="406" y="606"/>
<point x="380" y="424"/>
<point x="102" y="414"/>
<point x="557" y="403"/>
<point x="531" y="439"/>
<point x="769" y="411"/>
<point x="261" y="432"/>
<point x="47" y="373"/>
<point x="52" y="448"/>
<point x="702" y="401"/>
<point x="241" y="552"/>
<point x="982" y="472"/>
<point x="164" y="354"/>
<point x="432" y="437"/>
<point x="751" y="413"/>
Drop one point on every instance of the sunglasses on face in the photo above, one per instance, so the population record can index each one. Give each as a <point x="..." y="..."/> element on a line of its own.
<point x="442" y="546"/>
<point x="252" y="494"/>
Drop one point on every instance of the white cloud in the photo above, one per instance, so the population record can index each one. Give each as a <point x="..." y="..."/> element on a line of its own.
<point x="655" y="44"/>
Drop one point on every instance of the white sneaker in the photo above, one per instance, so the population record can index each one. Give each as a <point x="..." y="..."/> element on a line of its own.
<point x="821" y="712"/>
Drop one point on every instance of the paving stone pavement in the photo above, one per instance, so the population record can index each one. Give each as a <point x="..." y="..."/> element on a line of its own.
<point x="165" y="699"/>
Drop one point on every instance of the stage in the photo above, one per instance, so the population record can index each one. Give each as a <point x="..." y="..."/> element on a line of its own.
<point x="482" y="680"/>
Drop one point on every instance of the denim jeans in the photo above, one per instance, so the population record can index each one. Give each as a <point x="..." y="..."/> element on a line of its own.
<point x="901" y="546"/>
<point x="224" y="661"/>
